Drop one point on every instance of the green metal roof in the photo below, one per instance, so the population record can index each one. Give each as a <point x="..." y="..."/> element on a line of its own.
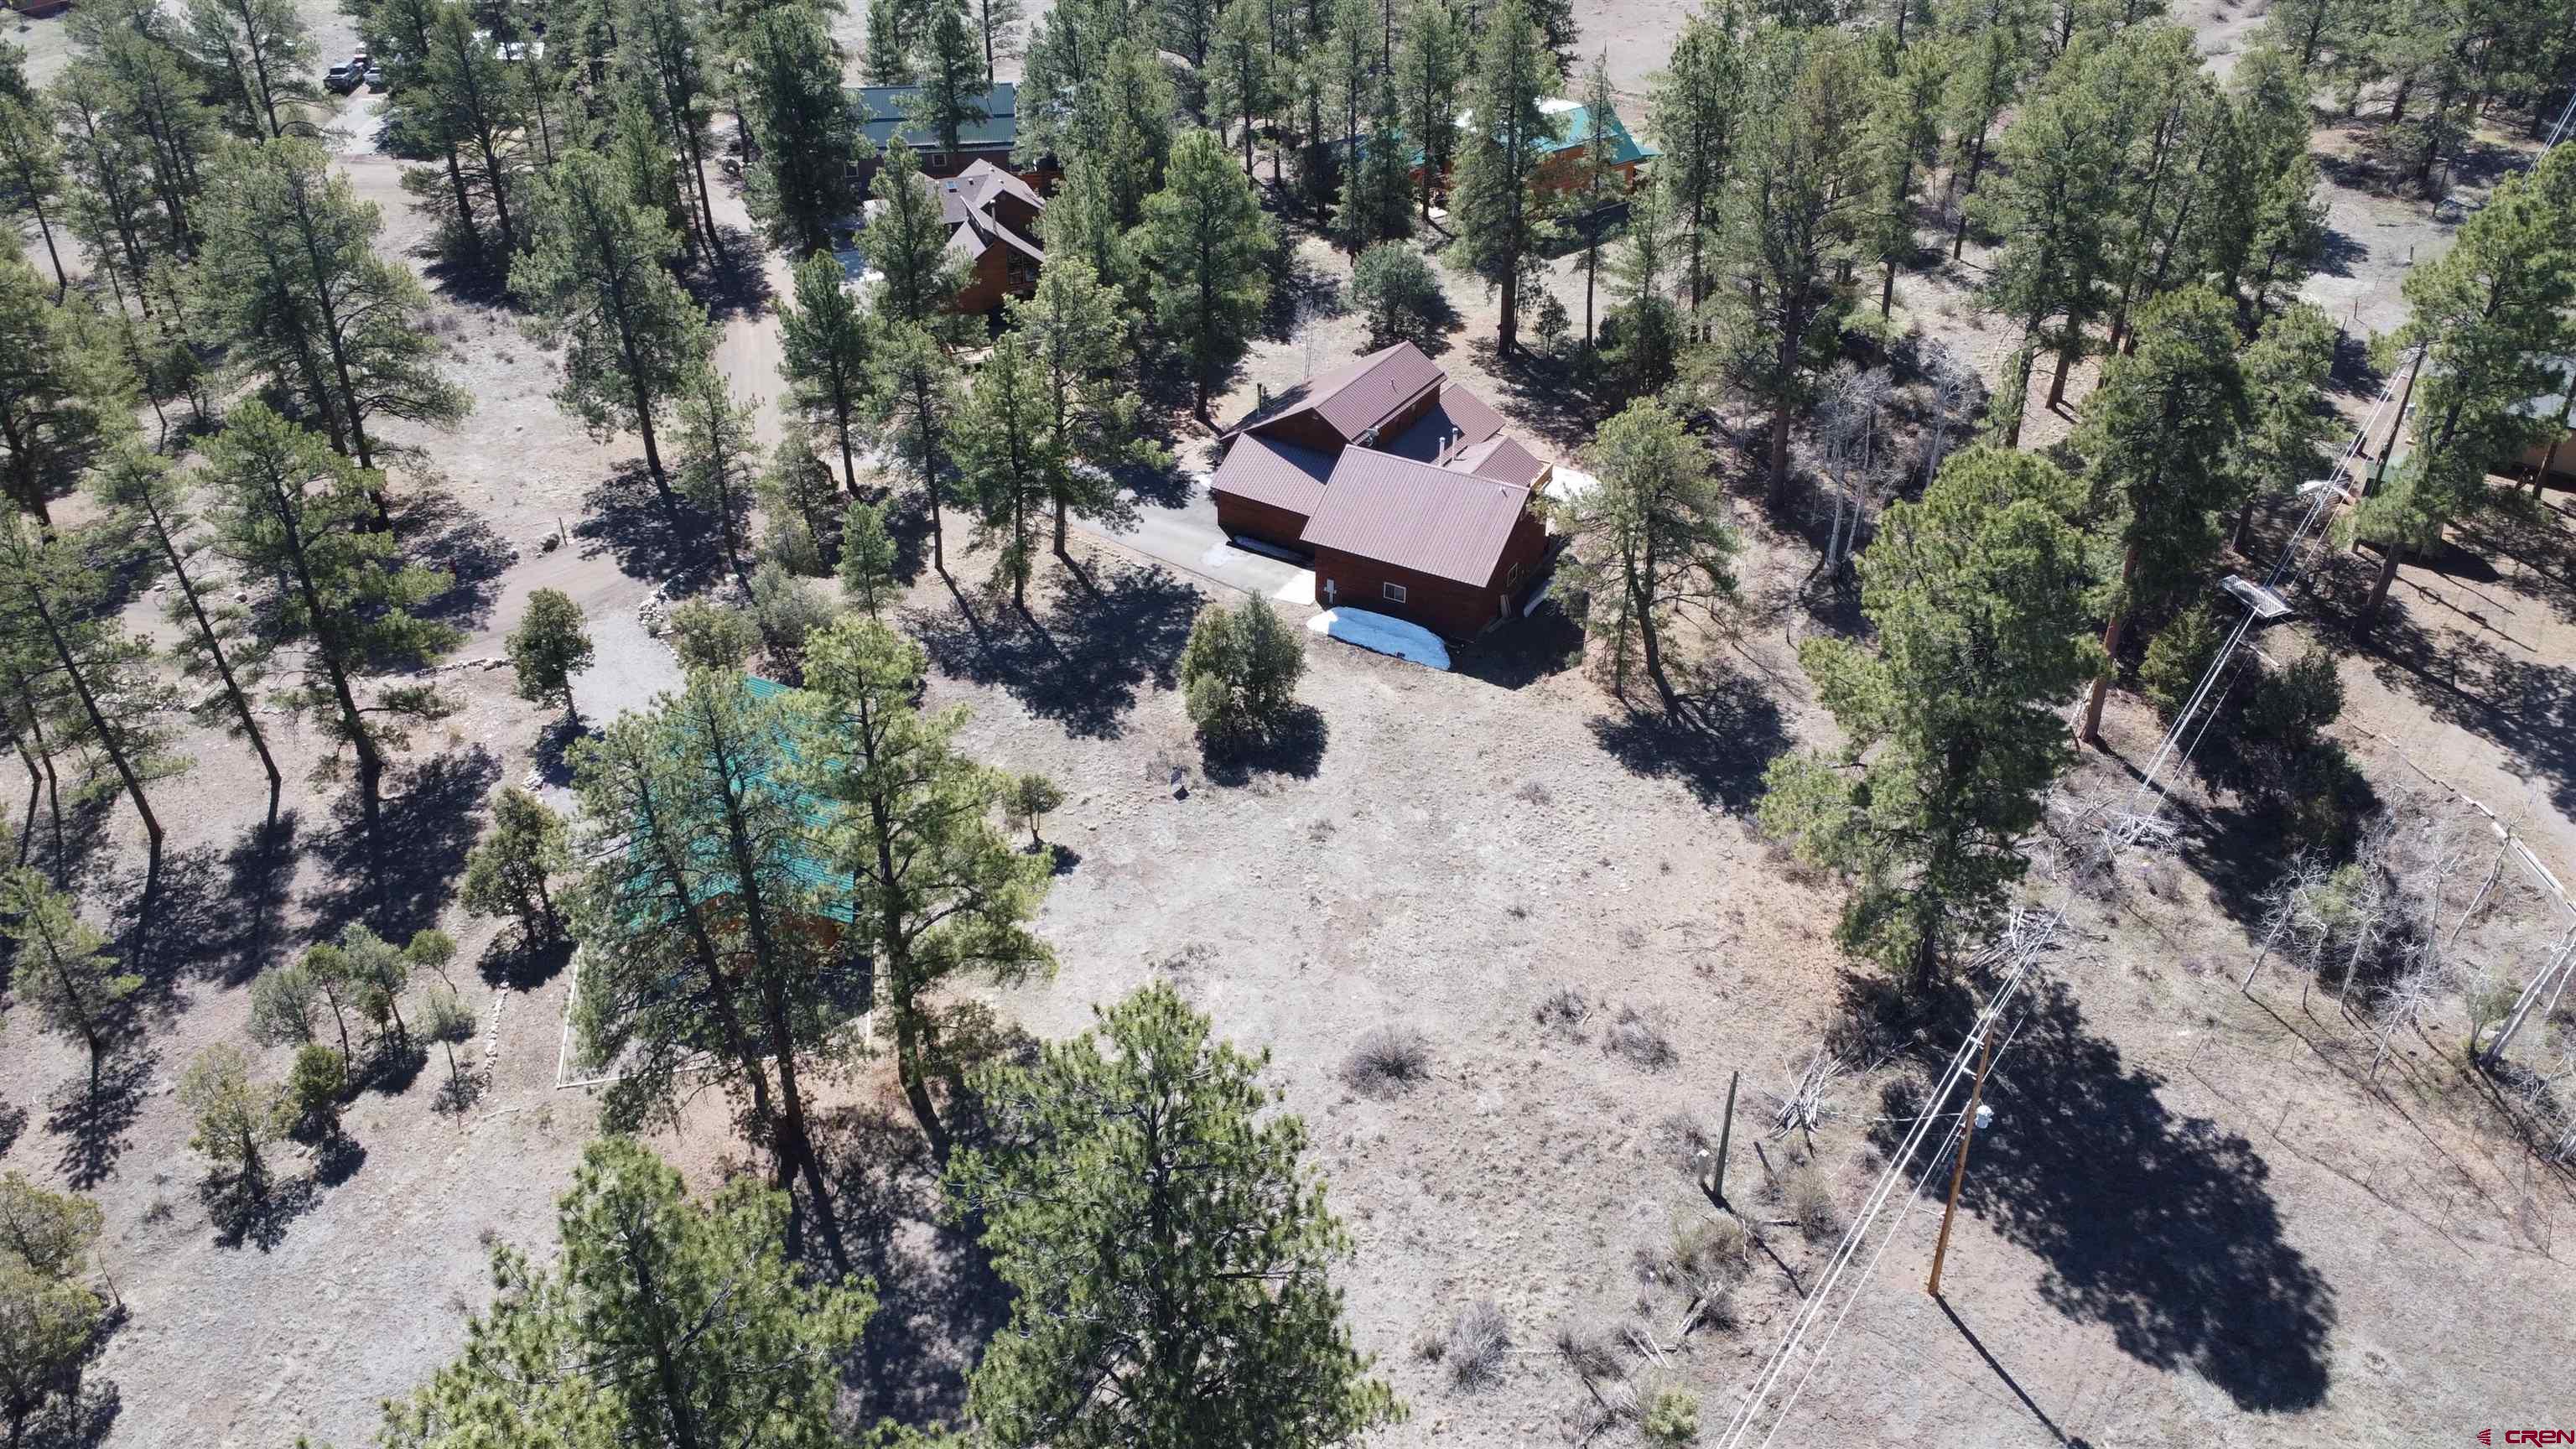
<point x="885" y="118"/>
<point x="1574" y="129"/>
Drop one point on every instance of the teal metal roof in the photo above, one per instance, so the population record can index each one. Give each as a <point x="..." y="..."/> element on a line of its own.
<point x="885" y="118"/>
<point x="828" y="885"/>
<point x="1574" y="129"/>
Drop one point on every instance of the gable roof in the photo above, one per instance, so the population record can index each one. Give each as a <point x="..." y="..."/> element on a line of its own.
<point x="886" y="120"/>
<point x="1458" y="419"/>
<point x="1502" y="459"/>
<point x="1265" y="470"/>
<point x="1573" y="122"/>
<point x="1353" y="399"/>
<point x="1435" y="521"/>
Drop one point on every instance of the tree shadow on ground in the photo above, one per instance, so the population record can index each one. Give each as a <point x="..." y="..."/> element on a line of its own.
<point x="254" y="1214"/>
<point x="512" y="963"/>
<point x="72" y="860"/>
<point x="441" y="533"/>
<point x="2538" y="543"/>
<point x="83" y="1417"/>
<point x="2338" y="252"/>
<point x="2354" y="373"/>
<point x="675" y="544"/>
<point x="1083" y="661"/>
<point x="2498" y="691"/>
<point x="1293" y="745"/>
<point x="938" y="1300"/>
<point x="13" y="1123"/>
<point x="552" y="752"/>
<point x="739" y="287"/>
<point x="1722" y="734"/>
<point x="216" y="912"/>
<point x="432" y="812"/>
<point x="1550" y="396"/>
<point x="93" y="1122"/>
<point x="1521" y="652"/>
<point x="2158" y="1226"/>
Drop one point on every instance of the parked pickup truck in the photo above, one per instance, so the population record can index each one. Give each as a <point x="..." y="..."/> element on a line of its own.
<point x="346" y="76"/>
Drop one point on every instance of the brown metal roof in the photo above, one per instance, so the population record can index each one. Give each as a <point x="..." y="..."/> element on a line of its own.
<point x="1353" y="399"/>
<point x="1431" y="520"/>
<point x="1501" y="459"/>
<point x="1282" y="475"/>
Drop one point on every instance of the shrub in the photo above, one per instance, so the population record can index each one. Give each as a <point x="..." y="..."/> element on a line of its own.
<point x="549" y="647"/>
<point x="1672" y="1419"/>
<point x="314" y="1087"/>
<point x="2177" y="657"/>
<point x="1636" y="1037"/>
<point x="1479" y="1341"/>
<point x="1239" y="672"/>
<point x="1387" y="1061"/>
<point x="787" y="612"/>
<point x="1809" y="1199"/>
<point x="1400" y="296"/>
<point x="1030" y="799"/>
<point x="1563" y="1010"/>
<point x="706" y="635"/>
<point x="1590" y="1349"/>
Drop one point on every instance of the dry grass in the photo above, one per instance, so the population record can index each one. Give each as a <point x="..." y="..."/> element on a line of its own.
<point x="1562" y="1013"/>
<point x="1478" y="1345"/>
<point x="1388" y="1062"/>
<point x="1639" y="1040"/>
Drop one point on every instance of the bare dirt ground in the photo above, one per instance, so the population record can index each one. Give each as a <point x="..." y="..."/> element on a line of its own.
<point x="2194" y="1221"/>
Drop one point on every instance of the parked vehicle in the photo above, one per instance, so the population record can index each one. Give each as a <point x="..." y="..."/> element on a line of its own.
<point x="341" y="79"/>
<point x="376" y="78"/>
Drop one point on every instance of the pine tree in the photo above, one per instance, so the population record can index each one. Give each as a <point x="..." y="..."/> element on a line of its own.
<point x="664" y="42"/>
<point x="1501" y="217"/>
<point x="917" y="392"/>
<point x="2062" y="171"/>
<point x="262" y="57"/>
<point x="703" y="896"/>
<point x="823" y="338"/>
<point x="893" y="39"/>
<point x="478" y="107"/>
<point x="1081" y="222"/>
<point x="713" y="455"/>
<point x="638" y="145"/>
<point x="664" y="1321"/>
<point x="1076" y="341"/>
<point x="506" y="873"/>
<point x="31" y="173"/>
<point x="1792" y="222"/>
<point x="1001" y="457"/>
<point x="1695" y="113"/>
<point x="1976" y="597"/>
<point x="57" y="610"/>
<point x="1993" y="61"/>
<point x="1905" y="136"/>
<point x="952" y="83"/>
<point x="2490" y="315"/>
<point x="290" y="253"/>
<point x="296" y="517"/>
<point x="937" y="892"/>
<point x="1647" y="354"/>
<point x="597" y="277"/>
<point x="1430" y="77"/>
<point x="797" y="495"/>
<point x="236" y="1116"/>
<point x="906" y="244"/>
<point x="63" y="971"/>
<point x="2288" y="424"/>
<point x="1652" y="540"/>
<point x="1377" y="187"/>
<point x="153" y="100"/>
<point x="810" y="135"/>
<point x="1239" y="673"/>
<point x="1164" y="1234"/>
<point x="1242" y="81"/>
<point x="998" y="23"/>
<point x="63" y="394"/>
<point x="547" y="649"/>
<point x="1205" y="246"/>
<point x="867" y="557"/>
<point x="2156" y="436"/>
<point x="150" y="503"/>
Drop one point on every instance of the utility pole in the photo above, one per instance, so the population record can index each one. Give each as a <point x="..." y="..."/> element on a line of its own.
<point x="1959" y="1172"/>
<point x="1725" y="1138"/>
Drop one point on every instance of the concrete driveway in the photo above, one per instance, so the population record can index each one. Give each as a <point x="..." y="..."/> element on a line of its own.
<point x="1186" y="536"/>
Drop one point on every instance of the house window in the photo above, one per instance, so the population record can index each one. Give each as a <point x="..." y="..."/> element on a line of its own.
<point x="1394" y="593"/>
<point x="934" y="160"/>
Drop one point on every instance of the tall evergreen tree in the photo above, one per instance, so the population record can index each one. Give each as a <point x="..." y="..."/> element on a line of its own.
<point x="1002" y="449"/>
<point x="1093" y="425"/>
<point x="1242" y="80"/>
<point x="938" y="892"/>
<point x="714" y="455"/>
<point x="478" y="106"/>
<point x="261" y="56"/>
<point x="596" y="275"/>
<point x="2491" y="315"/>
<point x="823" y="336"/>
<point x="907" y="247"/>
<point x="296" y="519"/>
<point x="916" y="389"/>
<point x="64" y="397"/>
<point x="31" y="173"/>
<point x="1431" y="75"/>
<point x="1205" y="247"/>
<point x="2156" y="437"/>
<point x="2288" y="424"/>
<point x="810" y="135"/>
<point x="1976" y="597"/>
<point x="952" y="82"/>
<point x="150" y="503"/>
<point x="1169" y="1248"/>
<point x="665" y="43"/>
<point x="1695" y="113"/>
<point x="62" y="970"/>
<point x="1905" y="136"/>
<point x="1652" y="538"/>
<point x="290" y="254"/>
<point x="1793" y="221"/>
<point x="1501" y="216"/>
<point x="664" y="1321"/>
